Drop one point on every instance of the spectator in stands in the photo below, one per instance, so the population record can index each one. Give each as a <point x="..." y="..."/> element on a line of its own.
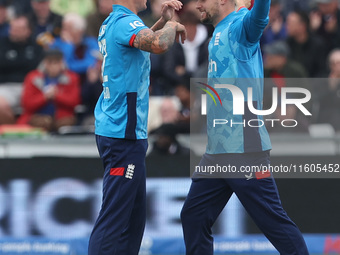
<point x="81" y="7"/>
<point x="329" y="94"/>
<point x="46" y="24"/>
<point x="166" y="143"/>
<point x="159" y="84"/>
<point x="182" y="91"/>
<point x="279" y="67"/>
<point x="79" y="50"/>
<point x="96" y="19"/>
<point x="20" y="7"/>
<point x="292" y="5"/>
<point x="91" y="90"/>
<point x="306" y="48"/>
<point x="19" y="54"/>
<point x="4" y="26"/>
<point x="276" y="29"/>
<point x="325" y="22"/>
<point x="277" y="63"/>
<point x="183" y="60"/>
<point x="50" y="94"/>
<point x="178" y="117"/>
<point x="155" y="7"/>
<point x="168" y="110"/>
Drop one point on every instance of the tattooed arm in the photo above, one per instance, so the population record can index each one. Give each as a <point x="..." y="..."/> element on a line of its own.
<point x="160" y="41"/>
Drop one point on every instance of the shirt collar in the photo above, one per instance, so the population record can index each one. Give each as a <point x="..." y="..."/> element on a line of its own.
<point x="117" y="7"/>
<point x="226" y="19"/>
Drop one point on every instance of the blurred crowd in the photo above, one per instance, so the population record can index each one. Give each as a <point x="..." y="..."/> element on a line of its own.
<point x="50" y="66"/>
<point x="49" y="61"/>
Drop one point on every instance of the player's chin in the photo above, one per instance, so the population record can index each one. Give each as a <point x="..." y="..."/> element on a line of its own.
<point x="206" y="20"/>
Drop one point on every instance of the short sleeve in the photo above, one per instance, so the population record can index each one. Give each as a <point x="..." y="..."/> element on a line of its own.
<point x="127" y="27"/>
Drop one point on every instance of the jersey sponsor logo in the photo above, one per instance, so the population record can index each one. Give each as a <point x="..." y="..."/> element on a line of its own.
<point x="212" y="66"/>
<point x="118" y="171"/>
<point x="130" y="171"/>
<point x="217" y="39"/>
<point x="136" y="24"/>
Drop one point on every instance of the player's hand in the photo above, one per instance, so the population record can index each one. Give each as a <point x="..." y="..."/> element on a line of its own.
<point x="169" y="8"/>
<point x="181" y="32"/>
<point x="240" y="3"/>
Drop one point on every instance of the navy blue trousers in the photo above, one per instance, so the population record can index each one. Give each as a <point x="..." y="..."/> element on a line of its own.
<point x="120" y="225"/>
<point x="259" y="196"/>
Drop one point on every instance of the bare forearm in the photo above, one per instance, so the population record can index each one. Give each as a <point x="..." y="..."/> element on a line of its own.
<point x="166" y="36"/>
<point x="158" y="25"/>
<point x="156" y="42"/>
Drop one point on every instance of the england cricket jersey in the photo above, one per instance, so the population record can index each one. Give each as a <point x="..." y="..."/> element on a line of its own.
<point x="235" y="59"/>
<point x="122" y="109"/>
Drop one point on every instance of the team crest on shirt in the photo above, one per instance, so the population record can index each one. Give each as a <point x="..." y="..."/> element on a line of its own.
<point x="217" y="39"/>
<point x="130" y="171"/>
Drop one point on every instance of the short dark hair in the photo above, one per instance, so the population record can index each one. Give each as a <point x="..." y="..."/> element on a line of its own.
<point x="53" y="54"/>
<point x="275" y="2"/>
<point x="303" y="17"/>
<point x="29" y="21"/>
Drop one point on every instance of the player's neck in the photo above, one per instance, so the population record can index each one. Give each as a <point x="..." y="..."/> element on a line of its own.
<point x="128" y="4"/>
<point x="222" y="15"/>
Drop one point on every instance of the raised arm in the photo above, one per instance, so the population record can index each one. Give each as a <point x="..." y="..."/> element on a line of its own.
<point x="256" y="20"/>
<point x="160" y="41"/>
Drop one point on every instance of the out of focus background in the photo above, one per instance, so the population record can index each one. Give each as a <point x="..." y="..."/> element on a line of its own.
<point x="50" y="171"/>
